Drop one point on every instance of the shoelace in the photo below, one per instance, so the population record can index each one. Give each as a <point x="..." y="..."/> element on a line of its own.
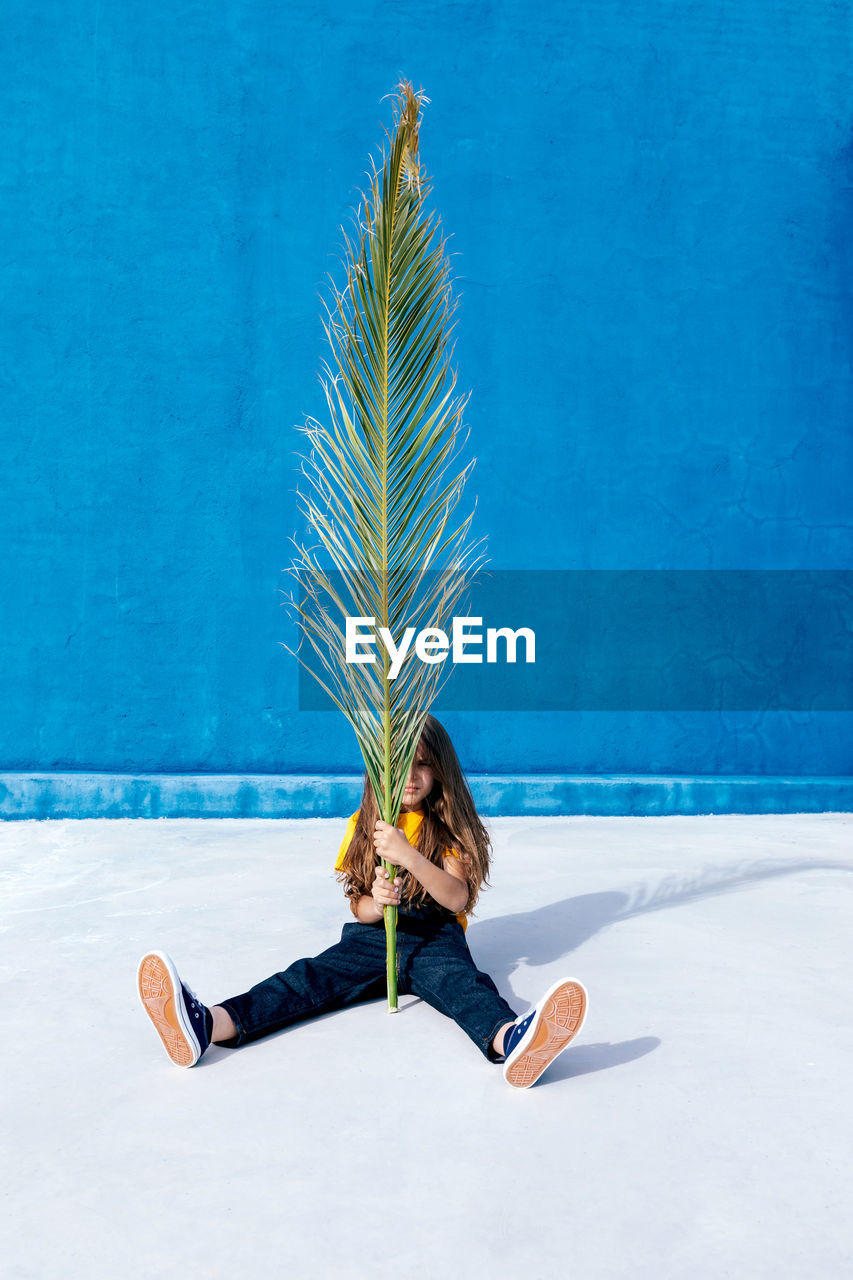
<point x="195" y="1003"/>
<point x="516" y="1032"/>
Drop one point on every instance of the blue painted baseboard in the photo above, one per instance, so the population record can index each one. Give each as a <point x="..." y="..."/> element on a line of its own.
<point x="161" y="795"/>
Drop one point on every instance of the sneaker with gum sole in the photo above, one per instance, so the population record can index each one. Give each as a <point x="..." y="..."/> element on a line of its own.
<point x="180" y="1019"/>
<point x="534" y="1041"/>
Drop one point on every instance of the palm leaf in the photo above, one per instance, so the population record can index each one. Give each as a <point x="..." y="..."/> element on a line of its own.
<point x="383" y="478"/>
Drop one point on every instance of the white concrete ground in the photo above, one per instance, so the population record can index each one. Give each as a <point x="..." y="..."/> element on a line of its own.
<point x="700" y="1126"/>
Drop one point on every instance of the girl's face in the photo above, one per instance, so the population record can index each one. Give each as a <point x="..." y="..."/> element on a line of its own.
<point x="420" y="781"/>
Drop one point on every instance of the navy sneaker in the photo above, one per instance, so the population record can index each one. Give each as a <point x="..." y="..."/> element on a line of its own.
<point x="180" y="1019"/>
<point x="534" y="1041"/>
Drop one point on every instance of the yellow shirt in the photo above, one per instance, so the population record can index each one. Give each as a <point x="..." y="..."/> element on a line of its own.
<point x="409" y="823"/>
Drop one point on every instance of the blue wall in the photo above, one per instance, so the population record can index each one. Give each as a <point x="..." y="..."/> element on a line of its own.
<point x="651" y="206"/>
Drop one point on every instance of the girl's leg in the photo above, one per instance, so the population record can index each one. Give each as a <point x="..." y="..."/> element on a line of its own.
<point x="498" y="1041"/>
<point x="441" y="970"/>
<point x="350" y="971"/>
<point x="223" y="1025"/>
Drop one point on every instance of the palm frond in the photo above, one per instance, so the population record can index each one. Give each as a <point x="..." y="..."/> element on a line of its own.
<point x="383" y="474"/>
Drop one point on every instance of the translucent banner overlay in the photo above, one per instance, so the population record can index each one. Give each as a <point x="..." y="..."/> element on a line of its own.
<point x="648" y="640"/>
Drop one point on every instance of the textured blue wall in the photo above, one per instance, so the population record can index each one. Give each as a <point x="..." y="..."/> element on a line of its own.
<point x="651" y="206"/>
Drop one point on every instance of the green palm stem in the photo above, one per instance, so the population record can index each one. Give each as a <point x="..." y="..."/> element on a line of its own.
<point x="380" y="499"/>
<point x="389" y="913"/>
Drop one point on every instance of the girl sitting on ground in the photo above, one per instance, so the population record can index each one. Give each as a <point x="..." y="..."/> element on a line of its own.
<point x="442" y="850"/>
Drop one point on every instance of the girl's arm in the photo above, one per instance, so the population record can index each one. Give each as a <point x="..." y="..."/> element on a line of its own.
<point x="366" y="910"/>
<point x="447" y="886"/>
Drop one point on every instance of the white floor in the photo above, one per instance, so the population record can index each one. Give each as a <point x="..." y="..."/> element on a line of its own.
<point x="700" y="1126"/>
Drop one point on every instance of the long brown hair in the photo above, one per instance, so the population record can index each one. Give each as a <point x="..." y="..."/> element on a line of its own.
<point x="450" y="820"/>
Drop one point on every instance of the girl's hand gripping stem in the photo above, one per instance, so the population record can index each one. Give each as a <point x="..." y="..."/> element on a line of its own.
<point x="392" y="846"/>
<point x="385" y="894"/>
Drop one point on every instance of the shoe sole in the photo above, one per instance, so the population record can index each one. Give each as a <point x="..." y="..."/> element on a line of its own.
<point x="157" y="983"/>
<point x="558" y="1020"/>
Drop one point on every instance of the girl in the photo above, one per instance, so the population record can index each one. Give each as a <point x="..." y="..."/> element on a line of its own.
<point x="442" y="850"/>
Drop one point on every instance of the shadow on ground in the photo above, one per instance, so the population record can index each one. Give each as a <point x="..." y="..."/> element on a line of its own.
<point x="586" y="1058"/>
<point x="549" y="933"/>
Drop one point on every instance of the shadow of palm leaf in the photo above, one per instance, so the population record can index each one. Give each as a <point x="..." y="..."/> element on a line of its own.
<point x="549" y="933"/>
